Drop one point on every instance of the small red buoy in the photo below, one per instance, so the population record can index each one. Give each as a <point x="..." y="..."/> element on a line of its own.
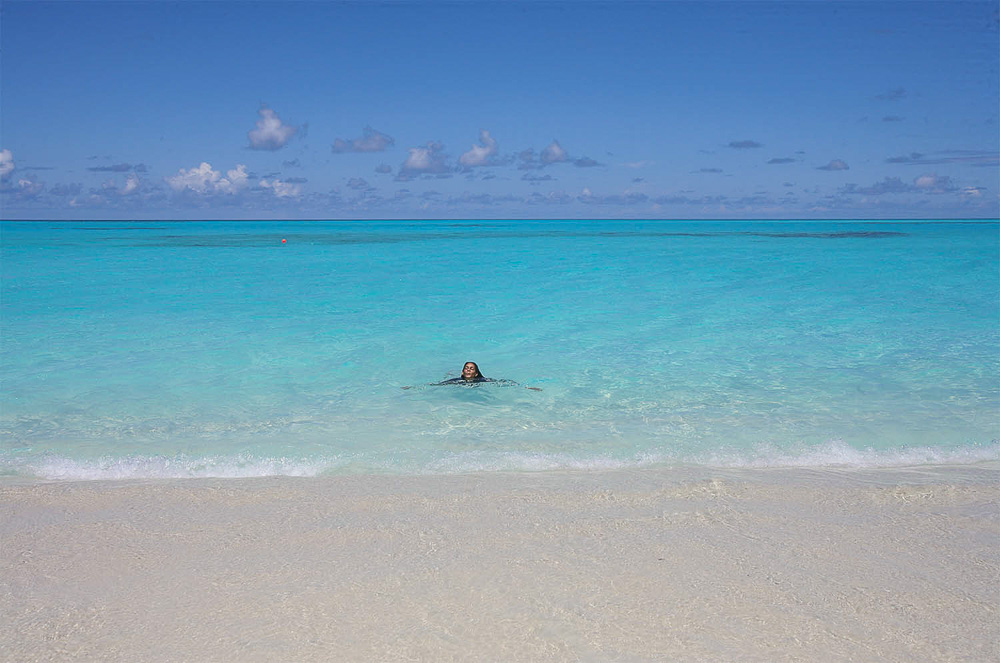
<point x="284" y="241"/>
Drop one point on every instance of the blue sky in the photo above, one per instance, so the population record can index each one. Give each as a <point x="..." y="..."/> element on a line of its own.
<point x="475" y="109"/>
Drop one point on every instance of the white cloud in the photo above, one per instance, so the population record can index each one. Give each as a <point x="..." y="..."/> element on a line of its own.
<point x="29" y="187"/>
<point x="554" y="153"/>
<point x="200" y="179"/>
<point x="926" y="181"/>
<point x="6" y="163"/>
<point x="370" y="141"/>
<point x="480" y="155"/>
<point x="422" y="160"/>
<point x="131" y="184"/>
<point x="281" y="189"/>
<point x="931" y="183"/>
<point x="235" y="179"/>
<point x="110" y="188"/>
<point x="271" y="133"/>
<point x="207" y="181"/>
<point x="934" y="183"/>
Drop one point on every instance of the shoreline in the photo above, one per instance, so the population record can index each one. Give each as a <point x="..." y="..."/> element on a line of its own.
<point x="833" y="456"/>
<point x="692" y="563"/>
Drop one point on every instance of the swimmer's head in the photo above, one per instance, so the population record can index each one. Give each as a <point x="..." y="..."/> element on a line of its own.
<point x="471" y="371"/>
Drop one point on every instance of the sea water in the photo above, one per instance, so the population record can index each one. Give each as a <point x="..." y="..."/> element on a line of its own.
<point x="181" y="349"/>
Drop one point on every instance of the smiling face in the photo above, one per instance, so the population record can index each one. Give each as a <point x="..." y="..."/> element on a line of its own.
<point x="470" y="370"/>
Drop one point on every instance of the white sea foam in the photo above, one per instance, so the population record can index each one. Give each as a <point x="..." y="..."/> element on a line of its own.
<point x="839" y="454"/>
<point x="158" y="467"/>
<point x="832" y="454"/>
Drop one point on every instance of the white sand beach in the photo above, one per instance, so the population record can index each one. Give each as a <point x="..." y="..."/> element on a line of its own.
<point x="641" y="565"/>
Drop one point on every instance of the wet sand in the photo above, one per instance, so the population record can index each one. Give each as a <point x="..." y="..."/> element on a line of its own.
<point x="643" y="565"/>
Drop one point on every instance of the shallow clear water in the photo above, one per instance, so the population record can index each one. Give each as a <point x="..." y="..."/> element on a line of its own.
<point x="214" y="349"/>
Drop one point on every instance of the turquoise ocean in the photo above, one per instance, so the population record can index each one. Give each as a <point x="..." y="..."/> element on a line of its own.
<point x="216" y="349"/>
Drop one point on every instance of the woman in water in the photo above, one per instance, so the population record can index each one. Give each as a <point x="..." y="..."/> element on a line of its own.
<point x="471" y="375"/>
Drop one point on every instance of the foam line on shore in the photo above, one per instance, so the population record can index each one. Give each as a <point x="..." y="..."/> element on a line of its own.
<point x="832" y="454"/>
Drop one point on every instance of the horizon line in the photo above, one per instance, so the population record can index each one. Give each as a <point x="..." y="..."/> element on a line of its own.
<point x="986" y="219"/>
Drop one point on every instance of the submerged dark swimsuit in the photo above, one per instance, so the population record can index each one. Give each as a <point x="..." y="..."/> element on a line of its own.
<point x="464" y="381"/>
<point x="475" y="381"/>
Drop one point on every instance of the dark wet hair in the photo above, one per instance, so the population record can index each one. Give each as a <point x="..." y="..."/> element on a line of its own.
<point x="479" y="374"/>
